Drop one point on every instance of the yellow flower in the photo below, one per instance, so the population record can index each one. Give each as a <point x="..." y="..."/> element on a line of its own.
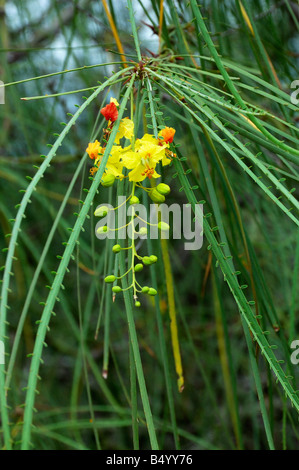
<point x="143" y="160"/>
<point x="114" y="166"/>
<point x="126" y="129"/>
<point x="160" y="142"/>
<point x="93" y="149"/>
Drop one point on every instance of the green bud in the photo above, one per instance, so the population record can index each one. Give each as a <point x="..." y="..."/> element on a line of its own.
<point x="134" y="200"/>
<point x="142" y="231"/>
<point x="116" y="289"/>
<point x="146" y="260"/>
<point x="145" y="290"/>
<point x="101" y="211"/>
<point x="138" y="267"/>
<point x="103" y="229"/>
<point x="156" y="196"/>
<point x="163" y="226"/>
<point x="107" y="180"/>
<point x="152" y="291"/>
<point x="153" y="258"/>
<point x="116" y="248"/>
<point x="110" y="279"/>
<point x="163" y="188"/>
<point x="137" y="303"/>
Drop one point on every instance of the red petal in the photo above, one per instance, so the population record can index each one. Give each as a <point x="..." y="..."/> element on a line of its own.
<point x="110" y="112"/>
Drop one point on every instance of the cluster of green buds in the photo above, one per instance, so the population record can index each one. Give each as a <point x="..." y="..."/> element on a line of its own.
<point x="136" y="262"/>
<point x="145" y="260"/>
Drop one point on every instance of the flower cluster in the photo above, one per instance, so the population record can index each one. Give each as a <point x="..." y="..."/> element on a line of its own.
<point x="136" y="161"/>
<point x="140" y="157"/>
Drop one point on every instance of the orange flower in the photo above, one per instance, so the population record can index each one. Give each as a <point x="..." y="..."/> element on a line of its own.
<point x="167" y="134"/>
<point x="93" y="149"/>
<point x="93" y="170"/>
<point x="110" y="112"/>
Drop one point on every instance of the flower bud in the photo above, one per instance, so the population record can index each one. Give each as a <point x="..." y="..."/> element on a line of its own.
<point x="156" y="196"/>
<point x="110" y="279"/>
<point x="153" y="258"/>
<point x="101" y="211"/>
<point x="152" y="291"/>
<point x="116" y="248"/>
<point x="107" y="180"/>
<point x="102" y="229"/>
<point x="138" y="267"/>
<point x="134" y="200"/>
<point x="146" y="260"/>
<point x="145" y="289"/>
<point x="163" y="226"/>
<point x="116" y="289"/>
<point x="137" y="303"/>
<point x="142" y="231"/>
<point x="163" y="188"/>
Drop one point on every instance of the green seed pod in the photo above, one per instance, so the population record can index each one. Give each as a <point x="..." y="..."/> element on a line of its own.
<point x="146" y="260"/>
<point x="109" y="279"/>
<point x="134" y="200"/>
<point x="152" y="291"/>
<point x="163" y="226"/>
<point x="156" y="196"/>
<point x="138" y="267"/>
<point x="153" y="258"/>
<point x="116" y="289"/>
<point x="101" y="211"/>
<point x="163" y="188"/>
<point x="142" y="231"/>
<point x="116" y="248"/>
<point x="103" y="229"/>
<point x="145" y="290"/>
<point x="137" y="303"/>
<point x="107" y="180"/>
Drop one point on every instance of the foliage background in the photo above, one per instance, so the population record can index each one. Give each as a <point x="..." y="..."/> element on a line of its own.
<point x="219" y="408"/>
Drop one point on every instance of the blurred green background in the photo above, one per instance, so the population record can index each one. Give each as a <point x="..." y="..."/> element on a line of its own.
<point x="40" y="38"/>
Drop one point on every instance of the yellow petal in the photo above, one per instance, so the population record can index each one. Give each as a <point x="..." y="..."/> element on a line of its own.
<point x="136" y="174"/>
<point x="165" y="161"/>
<point x="130" y="159"/>
<point x="126" y="129"/>
<point x="114" y="100"/>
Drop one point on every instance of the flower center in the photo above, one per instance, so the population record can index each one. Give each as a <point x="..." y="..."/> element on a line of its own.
<point x="148" y="171"/>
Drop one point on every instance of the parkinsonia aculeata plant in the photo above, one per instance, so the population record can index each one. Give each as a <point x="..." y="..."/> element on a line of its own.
<point x="137" y="162"/>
